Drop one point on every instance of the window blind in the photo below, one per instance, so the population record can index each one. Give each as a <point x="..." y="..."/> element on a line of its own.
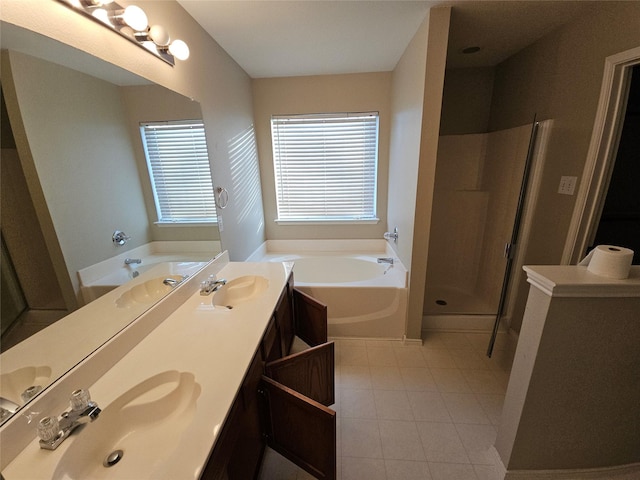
<point x="325" y="166"/>
<point x="178" y="164"/>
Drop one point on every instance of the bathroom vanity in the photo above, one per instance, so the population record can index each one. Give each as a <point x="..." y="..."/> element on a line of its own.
<point x="284" y="397"/>
<point x="196" y="387"/>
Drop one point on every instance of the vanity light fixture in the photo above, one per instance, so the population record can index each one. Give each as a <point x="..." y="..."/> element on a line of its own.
<point x="132" y="16"/>
<point x="156" y="37"/>
<point x="179" y="49"/>
<point x="132" y="23"/>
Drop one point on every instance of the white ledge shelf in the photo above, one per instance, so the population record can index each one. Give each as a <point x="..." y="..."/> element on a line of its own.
<point x="578" y="281"/>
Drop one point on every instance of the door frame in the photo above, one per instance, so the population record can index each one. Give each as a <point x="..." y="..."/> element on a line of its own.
<point x="601" y="156"/>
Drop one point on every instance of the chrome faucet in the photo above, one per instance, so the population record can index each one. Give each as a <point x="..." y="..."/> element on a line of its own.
<point x="172" y="282"/>
<point x="392" y="235"/>
<point x="7" y="409"/>
<point x="388" y="260"/>
<point x="53" y="430"/>
<point x="131" y="261"/>
<point x="211" y="285"/>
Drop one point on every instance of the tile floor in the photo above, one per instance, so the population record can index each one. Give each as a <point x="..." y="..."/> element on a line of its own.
<point x="414" y="412"/>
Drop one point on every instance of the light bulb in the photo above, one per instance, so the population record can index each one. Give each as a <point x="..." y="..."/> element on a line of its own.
<point x="135" y="18"/>
<point x="159" y="35"/>
<point x="102" y="15"/>
<point x="179" y="49"/>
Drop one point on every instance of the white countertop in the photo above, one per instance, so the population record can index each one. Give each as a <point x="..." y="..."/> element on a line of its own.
<point x="214" y="344"/>
<point x="578" y="281"/>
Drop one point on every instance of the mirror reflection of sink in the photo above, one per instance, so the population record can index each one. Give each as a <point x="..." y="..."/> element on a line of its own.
<point x="135" y="433"/>
<point x="239" y="290"/>
<point x="21" y="385"/>
<point x="148" y="292"/>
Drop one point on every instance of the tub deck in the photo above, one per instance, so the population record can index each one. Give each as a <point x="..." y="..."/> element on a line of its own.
<point x="365" y="299"/>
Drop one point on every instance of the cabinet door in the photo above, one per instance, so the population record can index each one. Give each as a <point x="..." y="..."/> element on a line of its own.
<point x="271" y="344"/>
<point x="284" y="318"/>
<point x="300" y="429"/>
<point x="310" y="318"/>
<point x="239" y="449"/>
<point x="310" y="373"/>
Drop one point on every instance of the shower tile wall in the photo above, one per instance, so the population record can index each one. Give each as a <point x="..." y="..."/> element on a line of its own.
<point x="503" y="169"/>
<point x="478" y="179"/>
<point x="459" y="211"/>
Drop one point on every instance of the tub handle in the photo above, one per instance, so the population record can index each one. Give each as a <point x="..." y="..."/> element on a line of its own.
<point x="119" y="237"/>
<point x="392" y="235"/>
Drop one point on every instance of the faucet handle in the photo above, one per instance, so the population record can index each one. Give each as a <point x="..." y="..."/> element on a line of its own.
<point x="120" y="238"/>
<point x="80" y="399"/>
<point x="48" y="429"/>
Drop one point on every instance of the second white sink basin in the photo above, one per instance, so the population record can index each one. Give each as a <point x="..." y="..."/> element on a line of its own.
<point x="148" y="292"/>
<point x="143" y="426"/>
<point x="14" y="385"/>
<point x="240" y="290"/>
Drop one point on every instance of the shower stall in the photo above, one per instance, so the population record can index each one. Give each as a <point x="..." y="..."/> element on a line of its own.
<point x="477" y="201"/>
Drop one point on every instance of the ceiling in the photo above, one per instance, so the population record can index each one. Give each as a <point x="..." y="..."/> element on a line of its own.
<point x="315" y="37"/>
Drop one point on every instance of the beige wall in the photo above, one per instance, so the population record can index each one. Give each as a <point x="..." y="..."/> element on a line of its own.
<point x="24" y="239"/>
<point x="321" y="94"/>
<point x="466" y="102"/>
<point x="83" y="162"/>
<point x="572" y="399"/>
<point x="210" y="76"/>
<point x="559" y="77"/>
<point x="152" y="103"/>
<point x="416" y="103"/>
<point x="407" y="97"/>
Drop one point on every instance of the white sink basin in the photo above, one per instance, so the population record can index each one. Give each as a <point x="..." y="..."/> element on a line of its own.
<point x="145" y="424"/>
<point x="14" y="384"/>
<point x="148" y="292"/>
<point x="239" y="290"/>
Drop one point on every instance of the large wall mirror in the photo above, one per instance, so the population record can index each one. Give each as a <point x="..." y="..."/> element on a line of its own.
<point x="73" y="172"/>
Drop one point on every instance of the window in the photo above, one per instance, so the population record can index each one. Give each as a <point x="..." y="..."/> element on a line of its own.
<point x="325" y="166"/>
<point x="178" y="165"/>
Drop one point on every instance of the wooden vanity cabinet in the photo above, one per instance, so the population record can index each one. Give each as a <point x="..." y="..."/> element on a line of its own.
<point x="239" y="449"/>
<point x="284" y="317"/>
<point x="283" y="399"/>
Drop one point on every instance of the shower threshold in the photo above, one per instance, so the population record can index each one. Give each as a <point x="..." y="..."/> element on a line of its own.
<point x="459" y="322"/>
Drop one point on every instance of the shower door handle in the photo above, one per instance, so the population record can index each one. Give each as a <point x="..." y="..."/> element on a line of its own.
<point x="508" y="250"/>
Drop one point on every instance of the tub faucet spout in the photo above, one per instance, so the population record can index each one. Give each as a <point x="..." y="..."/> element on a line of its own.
<point x="172" y="282"/>
<point x="131" y="261"/>
<point x="388" y="260"/>
<point x="7" y="409"/>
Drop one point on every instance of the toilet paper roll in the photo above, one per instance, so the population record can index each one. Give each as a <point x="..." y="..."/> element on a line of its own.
<point x="609" y="261"/>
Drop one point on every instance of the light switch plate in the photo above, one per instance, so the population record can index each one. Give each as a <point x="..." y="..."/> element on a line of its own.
<point x="567" y="185"/>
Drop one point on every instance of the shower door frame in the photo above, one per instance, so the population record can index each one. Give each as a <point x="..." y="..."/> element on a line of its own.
<point x="513" y="245"/>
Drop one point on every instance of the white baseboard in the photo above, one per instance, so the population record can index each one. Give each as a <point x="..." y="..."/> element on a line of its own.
<point x="618" y="472"/>
<point x="417" y="342"/>
<point x="624" y="472"/>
